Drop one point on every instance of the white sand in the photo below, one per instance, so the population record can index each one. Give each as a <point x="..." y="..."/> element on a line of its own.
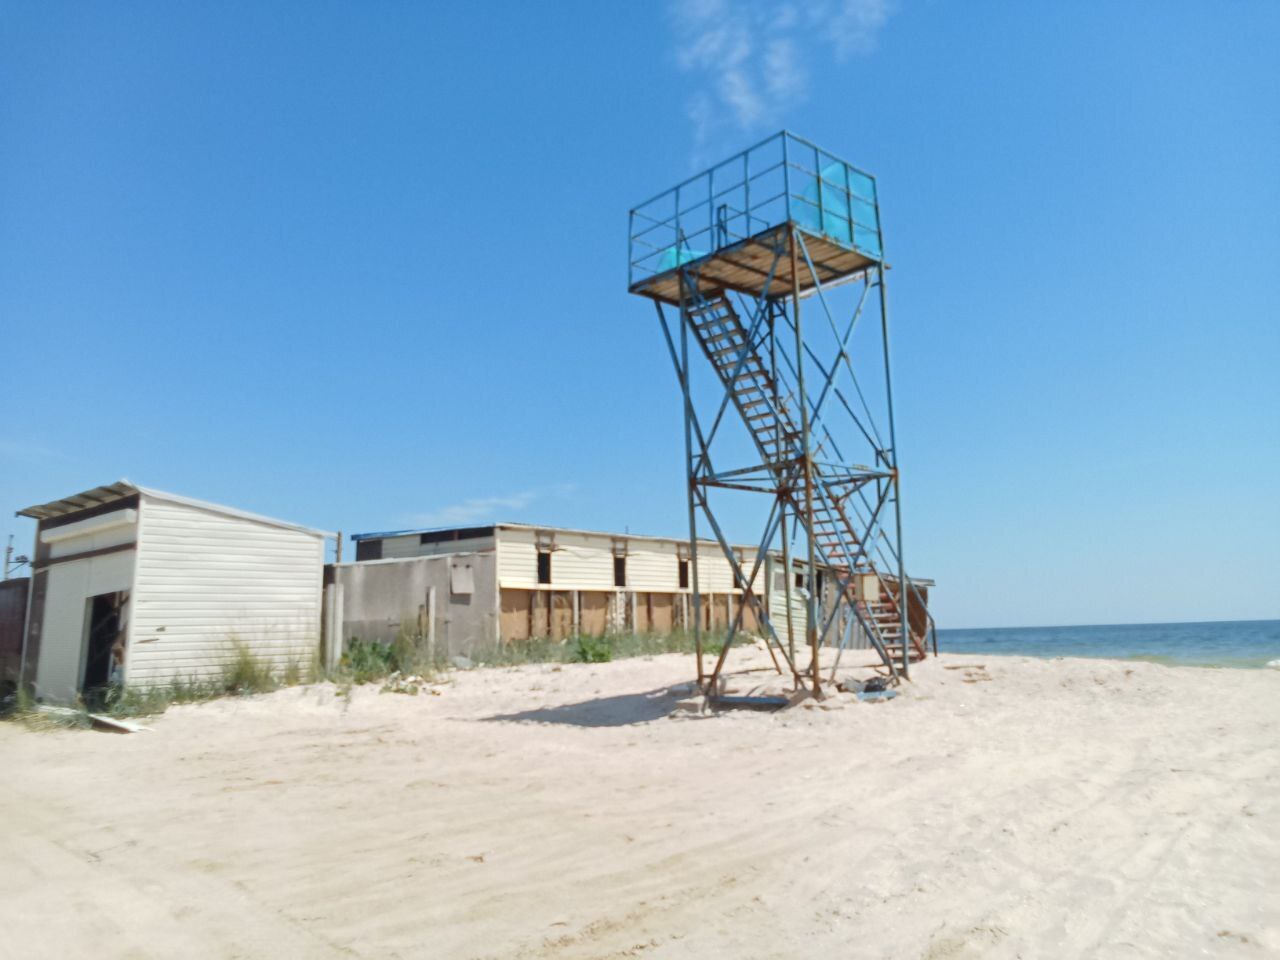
<point x="1065" y="808"/>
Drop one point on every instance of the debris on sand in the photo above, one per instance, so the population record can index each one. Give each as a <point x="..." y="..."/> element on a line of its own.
<point x="411" y="684"/>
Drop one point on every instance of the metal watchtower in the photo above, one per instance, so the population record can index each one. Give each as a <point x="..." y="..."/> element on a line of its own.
<point x="736" y="251"/>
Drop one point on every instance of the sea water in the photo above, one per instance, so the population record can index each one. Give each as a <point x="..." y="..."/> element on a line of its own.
<point x="1236" y="643"/>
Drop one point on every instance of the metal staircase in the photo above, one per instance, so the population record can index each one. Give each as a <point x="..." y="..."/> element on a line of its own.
<point x="764" y="405"/>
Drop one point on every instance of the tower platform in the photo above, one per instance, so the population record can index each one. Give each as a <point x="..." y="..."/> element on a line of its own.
<point x="729" y="227"/>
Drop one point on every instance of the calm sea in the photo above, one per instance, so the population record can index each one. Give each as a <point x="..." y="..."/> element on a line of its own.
<point x="1238" y="643"/>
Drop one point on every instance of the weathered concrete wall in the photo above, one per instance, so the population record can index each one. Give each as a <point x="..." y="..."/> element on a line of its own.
<point x="379" y="596"/>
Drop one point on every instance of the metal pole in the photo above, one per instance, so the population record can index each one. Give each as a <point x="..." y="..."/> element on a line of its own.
<point x="897" y="478"/>
<point x="811" y="612"/>
<point x="783" y="493"/>
<point x="689" y="472"/>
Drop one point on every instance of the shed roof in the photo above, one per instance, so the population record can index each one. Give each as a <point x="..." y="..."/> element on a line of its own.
<point x="124" y="488"/>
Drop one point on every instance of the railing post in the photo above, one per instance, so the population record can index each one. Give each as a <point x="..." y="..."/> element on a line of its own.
<point x="848" y="198"/>
<point x="811" y="611"/>
<point x="711" y="208"/>
<point x="678" y="232"/>
<point x="786" y="177"/>
<point x="690" y="471"/>
<point x="822" y="213"/>
<point x="897" y="478"/>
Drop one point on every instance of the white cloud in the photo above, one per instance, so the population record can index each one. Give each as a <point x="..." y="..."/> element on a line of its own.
<point x="784" y="76"/>
<point x="853" y="25"/>
<point x="487" y="509"/>
<point x="750" y="57"/>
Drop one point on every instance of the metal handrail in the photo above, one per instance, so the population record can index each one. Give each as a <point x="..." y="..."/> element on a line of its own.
<point x="782" y="205"/>
<point x="874" y="550"/>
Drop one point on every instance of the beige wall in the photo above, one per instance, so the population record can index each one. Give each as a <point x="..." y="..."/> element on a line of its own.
<point x="584" y="561"/>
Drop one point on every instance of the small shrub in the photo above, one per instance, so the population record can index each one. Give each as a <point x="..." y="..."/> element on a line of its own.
<point x="413" y="653"/>
<point x="592" y="650"/>
<point x="137" y="701"/>
<point x="367" y="660"/>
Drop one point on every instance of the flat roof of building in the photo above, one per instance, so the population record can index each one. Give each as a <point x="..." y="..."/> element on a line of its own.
<point x="441" y="534"/>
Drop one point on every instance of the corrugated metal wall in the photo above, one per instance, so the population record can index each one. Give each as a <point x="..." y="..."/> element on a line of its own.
<point x="206" y="581"/>
<point x="411" y="545"/>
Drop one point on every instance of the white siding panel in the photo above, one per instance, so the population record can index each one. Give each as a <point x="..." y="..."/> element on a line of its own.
<point x="715" y="575"/>
<point x="653" y="567"/>
<point x="778" y="603"/>
<point x="585" y="562"/>
<point x="109" y="530"/>
<point x="578" y="562"/>
<point x="582" y="563"/>
<point x="207" y="581"/>
<point x="518" y="560"/>
<point x="66" y="610"/>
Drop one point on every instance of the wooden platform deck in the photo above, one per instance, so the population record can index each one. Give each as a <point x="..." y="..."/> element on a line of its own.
<point x="745" y="266"/>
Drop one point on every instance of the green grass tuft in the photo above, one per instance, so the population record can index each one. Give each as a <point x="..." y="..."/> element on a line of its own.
<point x="592" y="650"/>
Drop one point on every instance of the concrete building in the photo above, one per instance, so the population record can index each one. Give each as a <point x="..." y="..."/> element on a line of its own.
<point x="471" y="588"/>
<point x="475" y="587"/>
<point x="143" y="587"/>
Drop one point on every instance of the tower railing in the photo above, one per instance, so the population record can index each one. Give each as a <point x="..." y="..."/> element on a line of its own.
<point x="783" y="179"/>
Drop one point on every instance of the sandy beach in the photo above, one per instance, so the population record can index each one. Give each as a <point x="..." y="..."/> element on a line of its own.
<point x="1005" y="807"/>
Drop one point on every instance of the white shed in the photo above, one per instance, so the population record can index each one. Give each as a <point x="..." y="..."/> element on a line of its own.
<point x="146" y="587"/>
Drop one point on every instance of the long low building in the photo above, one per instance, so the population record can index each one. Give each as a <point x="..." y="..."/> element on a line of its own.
<point x="477" y="586"/>
<point x="140" y="587"/>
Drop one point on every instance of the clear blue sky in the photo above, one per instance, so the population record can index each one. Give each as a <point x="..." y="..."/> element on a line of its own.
<point x="362" y="266"/>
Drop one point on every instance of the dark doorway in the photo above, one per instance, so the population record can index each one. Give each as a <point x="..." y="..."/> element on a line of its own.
<point x="100" y="647"/>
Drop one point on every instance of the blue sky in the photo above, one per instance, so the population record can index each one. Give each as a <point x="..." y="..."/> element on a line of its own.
<point x="363" y="266"/>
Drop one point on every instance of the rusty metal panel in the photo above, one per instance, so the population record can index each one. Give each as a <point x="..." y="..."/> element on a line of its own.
<point x="13" y="618"/>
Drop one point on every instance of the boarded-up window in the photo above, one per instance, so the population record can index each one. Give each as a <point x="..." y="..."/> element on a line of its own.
<point x="619" y="571"/>
<point x="544" y="566"/>
<point x="684" y="574"/>
<point x="368" y="550"/>
<point x="462" y="579"/>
